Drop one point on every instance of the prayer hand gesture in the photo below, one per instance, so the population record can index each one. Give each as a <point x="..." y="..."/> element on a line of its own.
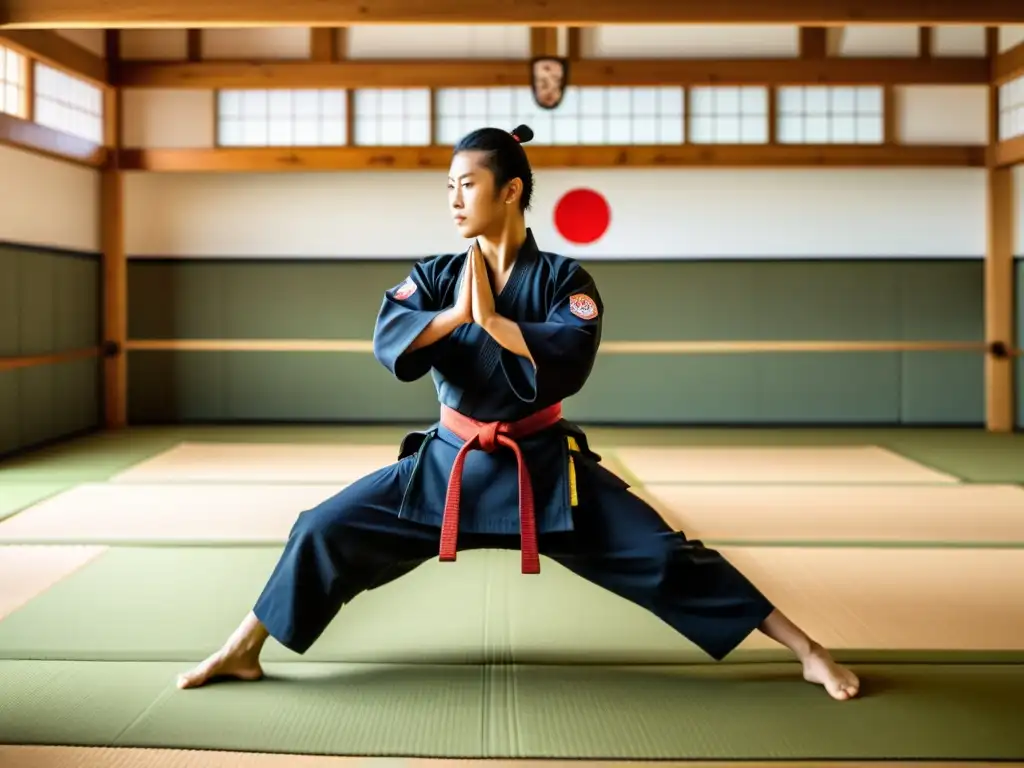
<point x="483" y="296"/>
<point x="463" y="307"/>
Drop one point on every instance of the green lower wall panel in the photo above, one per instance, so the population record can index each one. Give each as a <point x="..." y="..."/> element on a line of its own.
<point x="49" y="303"/>
<point x="833" y="299"/>
<point x="1020" y="341"/>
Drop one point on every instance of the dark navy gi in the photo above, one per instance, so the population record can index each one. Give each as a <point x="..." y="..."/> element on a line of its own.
<point x="387" y="523"/>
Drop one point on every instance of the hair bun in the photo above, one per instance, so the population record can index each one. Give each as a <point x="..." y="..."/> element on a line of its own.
<point x="522" y="133"/>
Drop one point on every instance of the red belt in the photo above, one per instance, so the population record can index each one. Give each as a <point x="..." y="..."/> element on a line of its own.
<point x="486" y="436"/>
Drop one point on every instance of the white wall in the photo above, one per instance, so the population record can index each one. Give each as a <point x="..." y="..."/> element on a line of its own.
<point x="49" y="202"/>
<point x="655" y="213"/>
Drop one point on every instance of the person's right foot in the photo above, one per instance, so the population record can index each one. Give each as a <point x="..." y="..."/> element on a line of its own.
<point x="223" y="664"/>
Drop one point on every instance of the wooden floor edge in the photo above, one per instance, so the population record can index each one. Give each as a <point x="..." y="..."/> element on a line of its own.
<point x="40" y="756"/>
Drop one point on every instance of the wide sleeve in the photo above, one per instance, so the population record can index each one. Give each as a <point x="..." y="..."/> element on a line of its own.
<point x="563" y="347"/>
<point x="406" y="310"/>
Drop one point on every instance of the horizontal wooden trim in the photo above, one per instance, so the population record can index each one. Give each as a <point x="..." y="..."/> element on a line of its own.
<point x="1009" y="65"/>
<point x="200" y="13"/>
<point x="481" y="73"/>
<point x="46" y="141"/>
<point x="265" y="159"/>
<point x="52" y="49"/>
<point x="32" y="361"/>
<point x="607" y="347"/>
<point x="1009" y="152"/>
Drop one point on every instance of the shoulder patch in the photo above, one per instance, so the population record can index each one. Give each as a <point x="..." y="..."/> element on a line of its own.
<point x="583" y="306"/>
<point x="405" y="290"/>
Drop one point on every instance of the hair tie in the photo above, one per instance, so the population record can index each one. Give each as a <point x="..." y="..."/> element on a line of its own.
<point x="515" y="137"/>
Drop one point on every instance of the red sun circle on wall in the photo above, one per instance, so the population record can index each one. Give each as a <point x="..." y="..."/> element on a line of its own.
<point x="582" y="216"/>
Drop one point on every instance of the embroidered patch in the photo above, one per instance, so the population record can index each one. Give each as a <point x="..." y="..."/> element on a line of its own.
<point x="405" y="290"/>
<point x="583" y="306"/>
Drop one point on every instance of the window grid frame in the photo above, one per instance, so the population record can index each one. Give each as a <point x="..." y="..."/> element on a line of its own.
<point x="267" y="118"/>
<point x="407" y="116"/>
<point x="783" y="112"/>
<point x="547" y="123"/>
<point x="42" y="100"/>
<point x="14" y="96"/>
<point x="716" y="92"/>
<point x="1011" y="107"/>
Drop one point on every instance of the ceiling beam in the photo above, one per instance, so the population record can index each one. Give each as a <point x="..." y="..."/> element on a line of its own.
<point x="1008" y="65"/>
<point x="298" y="159"/>
<point x="52" y="49"/>
<point x="208" y="13"/>
<point x="482" y="73"/>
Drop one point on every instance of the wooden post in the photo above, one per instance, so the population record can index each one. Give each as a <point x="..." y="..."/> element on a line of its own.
<point x="999" y="285"/>
<point x="115" y="268"/>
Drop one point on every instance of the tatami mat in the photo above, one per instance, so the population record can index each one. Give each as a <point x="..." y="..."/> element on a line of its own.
<point x="172" y="513"/>
<point x="26" y="572"/>
<point x="270" y="463"/>
<point x="180" y="604"/>
<point x="725" y="712"/>
<point x="128" y="757"/>
<point x="260" y="463"/>
<point x="764" y="464"/>
<point x="17" y="496"/>
<point x="937" y="514"/>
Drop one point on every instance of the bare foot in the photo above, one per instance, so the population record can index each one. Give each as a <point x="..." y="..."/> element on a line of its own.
<point x="821" y="668"/>
<point x="223" y="664"/>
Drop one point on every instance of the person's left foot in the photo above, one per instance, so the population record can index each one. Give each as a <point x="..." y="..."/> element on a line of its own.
<point x="821" y="668"/>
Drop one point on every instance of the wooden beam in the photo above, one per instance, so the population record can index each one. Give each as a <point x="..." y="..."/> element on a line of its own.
<point x="194" y="43"/>
<point x="50" y="48"/>
<point x="544" y="41"/>
<point x="574" y="45"/>
<point x="1007" y="153"/>
<point x="115" y="262"/>
<point x="999" y="301"/>
<point x="924" y="42"/>
<point x="323" y="44"/>
<point x="299" y="159"/>
<point x="456" y="74"/>
<point x="813" y="42"/>
<point x="42" y="140"/>
<point x="264" y="13"/>
<point x="1008" y="65"/>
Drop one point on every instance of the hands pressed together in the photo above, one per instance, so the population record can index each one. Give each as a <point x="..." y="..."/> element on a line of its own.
<point x="474" y="300"/>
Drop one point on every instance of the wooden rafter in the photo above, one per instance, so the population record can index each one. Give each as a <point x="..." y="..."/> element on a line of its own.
<point x="206" y="13"/>
<point x="482" y="73"/>
<point x="1008" y="65"/>
<point x="52" y="49"/>
<point x="288" y="159"/>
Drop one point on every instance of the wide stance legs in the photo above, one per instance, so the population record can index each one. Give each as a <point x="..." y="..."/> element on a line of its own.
<point x="354" y="542"/>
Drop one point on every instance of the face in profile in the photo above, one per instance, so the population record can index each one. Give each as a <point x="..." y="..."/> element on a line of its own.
<point x="472" y="199"/>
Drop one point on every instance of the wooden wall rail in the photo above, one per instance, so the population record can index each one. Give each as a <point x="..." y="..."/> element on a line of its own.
<point x="288" y="159"/>
<point x="31" y="361"/>
<point x="607" y="347"/>
<point x="433" y="73"/>
<point x="207" y="13"/>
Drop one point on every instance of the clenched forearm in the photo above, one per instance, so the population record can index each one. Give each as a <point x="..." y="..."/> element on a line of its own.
<point x="506" y="332"/>
<point x="442" y="325"/>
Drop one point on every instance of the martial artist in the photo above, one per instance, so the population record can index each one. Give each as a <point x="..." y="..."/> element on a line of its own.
<point x="507" y="332"/>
